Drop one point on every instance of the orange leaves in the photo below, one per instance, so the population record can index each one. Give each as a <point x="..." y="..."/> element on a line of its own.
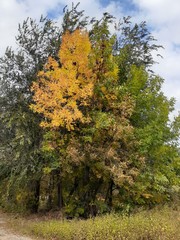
<point x="61" y="90"/>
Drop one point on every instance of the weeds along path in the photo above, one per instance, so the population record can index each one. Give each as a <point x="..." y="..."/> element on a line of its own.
<point x="7" y="234"/>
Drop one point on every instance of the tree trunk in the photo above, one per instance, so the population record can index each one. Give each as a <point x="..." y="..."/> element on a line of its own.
<point x="109" y="194"/>
<point x="59" y="190"/>
<point x="33" y="203"/>
<point x="50" y="189"/>
<point x="75" y="186"/>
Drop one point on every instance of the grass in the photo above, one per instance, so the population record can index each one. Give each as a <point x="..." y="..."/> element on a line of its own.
<point x="159" y="224"/>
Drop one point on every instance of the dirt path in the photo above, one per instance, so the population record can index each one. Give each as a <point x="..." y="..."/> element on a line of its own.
<point x="6" y="234"/>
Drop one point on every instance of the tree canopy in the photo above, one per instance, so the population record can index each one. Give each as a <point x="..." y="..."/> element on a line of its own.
<point x="85" y="124"/>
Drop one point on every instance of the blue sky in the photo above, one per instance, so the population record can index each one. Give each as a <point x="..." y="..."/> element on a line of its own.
<point x="162" y="17"/>
<point x="125" y="4"/>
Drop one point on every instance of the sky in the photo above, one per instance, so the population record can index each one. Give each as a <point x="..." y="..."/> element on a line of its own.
<point x="162" y="17"/>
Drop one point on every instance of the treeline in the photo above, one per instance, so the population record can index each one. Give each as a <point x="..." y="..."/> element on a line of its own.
<point x="85" y="125"/>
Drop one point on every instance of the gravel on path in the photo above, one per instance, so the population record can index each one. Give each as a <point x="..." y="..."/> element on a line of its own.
<point x="6" y="234"/>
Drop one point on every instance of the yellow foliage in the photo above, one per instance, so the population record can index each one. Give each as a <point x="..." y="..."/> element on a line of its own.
<point x="61" y="90"/>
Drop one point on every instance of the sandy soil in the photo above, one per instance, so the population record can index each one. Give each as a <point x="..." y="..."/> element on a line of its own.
<point x="6" y="234"/>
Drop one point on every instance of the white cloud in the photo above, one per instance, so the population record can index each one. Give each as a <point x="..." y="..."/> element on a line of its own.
<point x="160" y="11"/>
<point x="162" y="15"/>
<point x="164" y="18"/>
<point x="13" y="12"/>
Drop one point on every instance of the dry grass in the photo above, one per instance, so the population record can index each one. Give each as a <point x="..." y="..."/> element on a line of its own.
<point x="157" y="224"/>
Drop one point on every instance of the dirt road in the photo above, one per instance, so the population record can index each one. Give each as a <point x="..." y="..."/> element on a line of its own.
<point x="6" y="234"/>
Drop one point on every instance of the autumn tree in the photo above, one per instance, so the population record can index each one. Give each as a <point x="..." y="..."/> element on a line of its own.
<point x="84" y="121"/>
<point x="21" y="158"/>
<point x="98" y="123"/>
<point x="106" y="146"/>
<point x="150" y="118"/>
<point x="64" y="88"/>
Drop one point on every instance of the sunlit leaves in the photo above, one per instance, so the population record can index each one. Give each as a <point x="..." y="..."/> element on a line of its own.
<point x="63" y="89"/>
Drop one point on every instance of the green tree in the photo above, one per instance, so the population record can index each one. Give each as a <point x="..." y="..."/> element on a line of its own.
<point x="134" y="46"/>
<point x="21" y="153"/>
<point x="73" y="19"/>
<point x="155" y="132"/>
